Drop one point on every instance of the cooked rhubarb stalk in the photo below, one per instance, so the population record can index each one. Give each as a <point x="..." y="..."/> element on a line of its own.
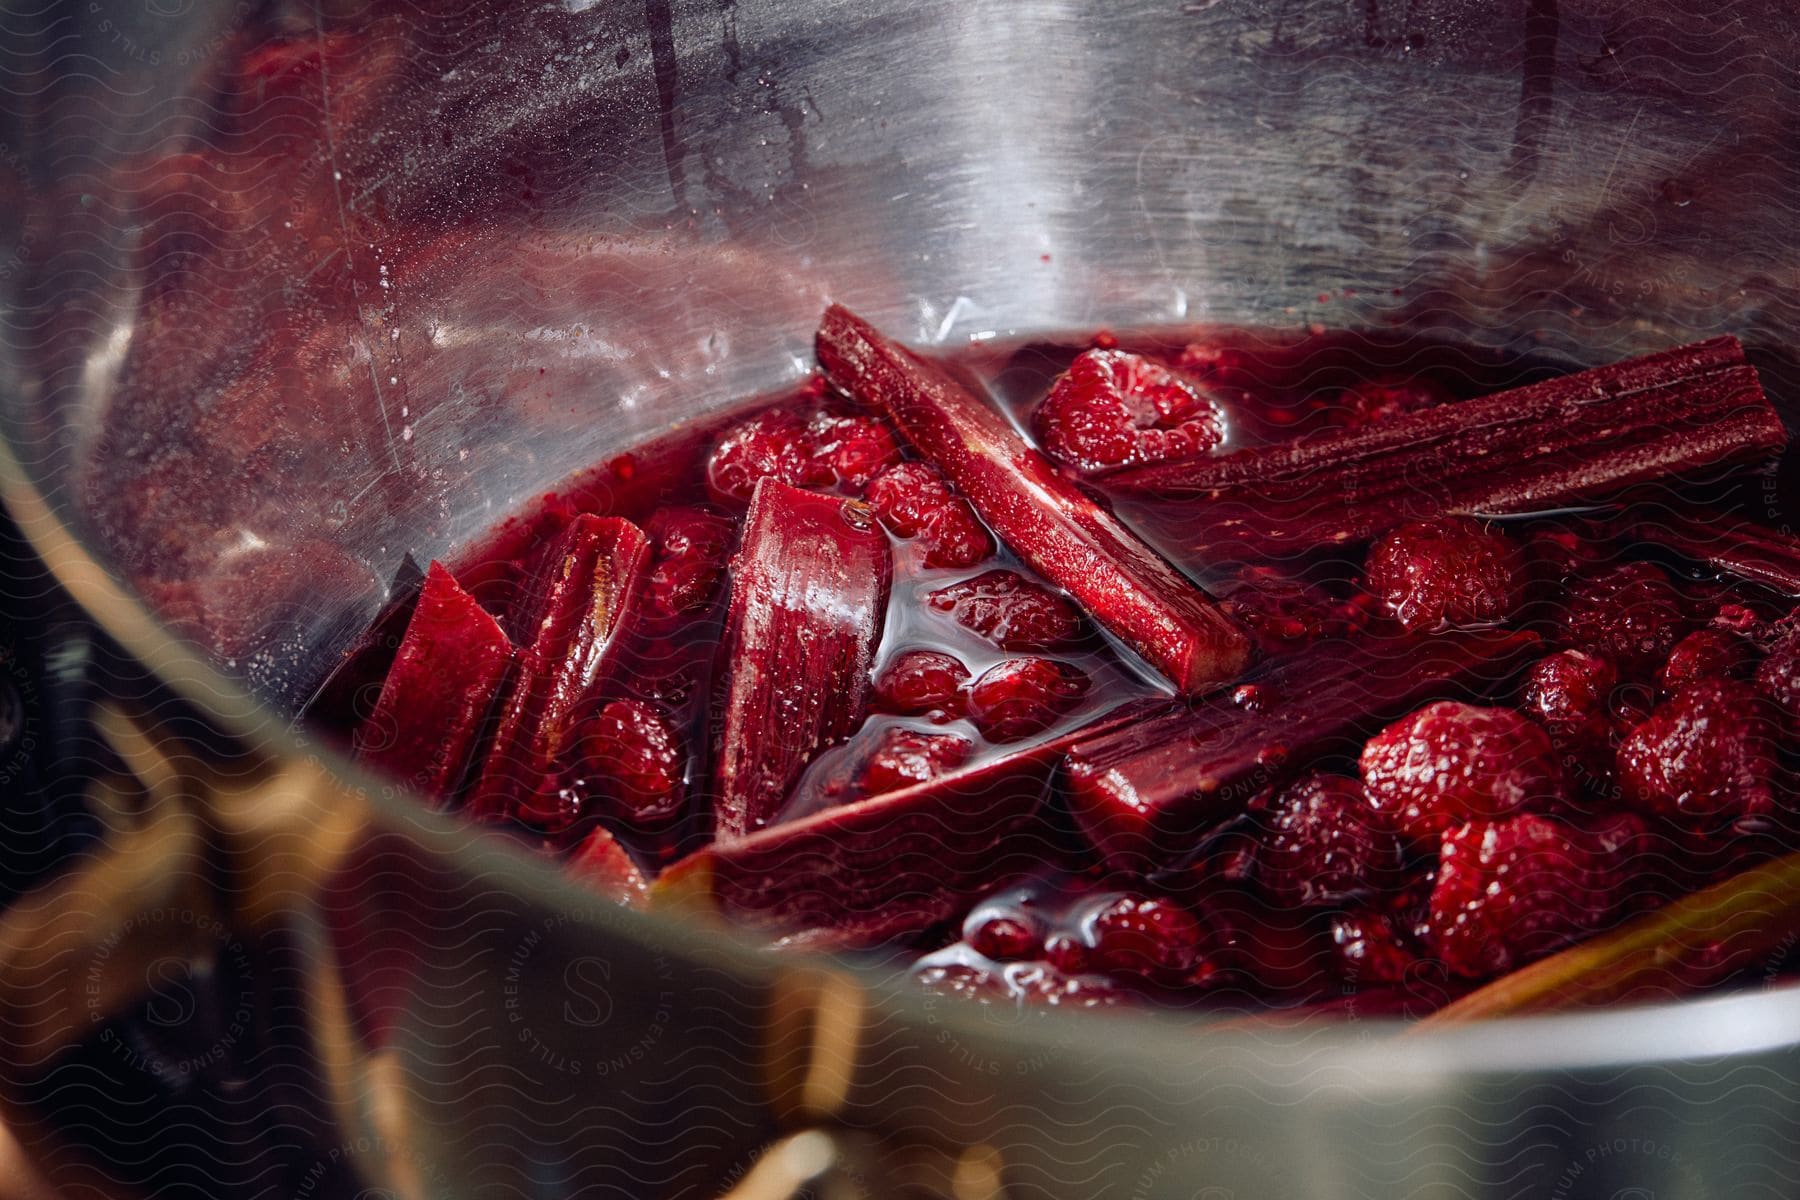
<point x="585" y="597"/>
<point x="809" y="589"/>
<point x="1529" y="449"/>
<point x="1746" y="921"/>
<point x="1742" y="549"/>
<point x="893" y="863"/>
<point x="451" y="664"/>
<point x="1048" y="521"/>
<point x="1144" y="793"/>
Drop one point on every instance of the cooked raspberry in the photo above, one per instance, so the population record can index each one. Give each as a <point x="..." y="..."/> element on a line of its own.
<point x="856" y="447"/>
<point x="1371" y="946"/>
<point x="905" y="494"/>
<point x="776" y="444"/>
<point x="1279" y="952"/>
<point x="902" y="757"/>
<point x="1115" y="409"/>
<point x="913" y="500"/>
<point x="1324" y="844"/>
<point x="1016" y="983"/>
<point x="1778" y="678"/>
<point x="1511" y="891"/>
<point x="1277" y="608"/>
<point x="953" y="536"/>
<point x="1706" y="755"/>
<point x="1634" y="861"/>
<point x="1066" y="953"/>
<point x="1023" y="696"/>
<point x="639" y="760"/>
<point x="1009" y="610"/>
<point x="1372" y="400"/>
<point x="1144" y="936"/>
<point x="692" y="547"/>
<point x="1449" y="572"/>
<point x="1706" y="654"/>
<point x="603" y="864"/>
<point x="920" y="682"/>
<point x="1003" y="934"/>
<point x="1631" y="613"/>
<point x="1451" y="762"/>
<point x="1560" y="553"/>
<point x="1567" y="693"/>
<point x="1735" y="618"/>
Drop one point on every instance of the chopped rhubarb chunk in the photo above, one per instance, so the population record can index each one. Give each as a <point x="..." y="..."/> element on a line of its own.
<point x="1058" y="529"/>
<point x="451" y="664"/>
<point x="1742" y="549"/>
<point x="1144" y="793"/>
<point x="603" y="864"/>
<point x="1532" y="448"/>
<point x="809" y="590"/>
<point x="589" y="590"/>
<point x="892" y="863"/>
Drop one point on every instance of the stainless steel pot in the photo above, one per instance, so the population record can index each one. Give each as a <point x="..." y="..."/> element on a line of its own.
<point x="298" y="291"/>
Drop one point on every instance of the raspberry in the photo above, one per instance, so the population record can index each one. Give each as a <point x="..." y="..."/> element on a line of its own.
<point x="919" y="683"/>
<point x="913" y="500"/>
<point x="1278" y="608"/>
<point x="692" y="546"/>
<point x="1511" y="891"/>
<point x="1634" y="860"/>
<point x="1324" y="844"/>
<point x="1009" y="610"/>
<point x="1735" y="618"/>
<point x="1449" y="572"/>
<point x="1778" y="679"/>
<point x="1562" y="553"/>
<point x="1567" y="694"/>
<point x="1371" y="946"/>
<point x="640" y="760"/>
<point x="1371" y="400"/>
<point x="776" y="444"/>
<point x="1023" y="696"/>
<point x="1281" y="952"/>
<point x="1631" y="613"/>
<point x="1705" y="654"/>
<point x="902" y="757"/>
<point x="857" y="447"/>
<point x="1003" y="933"/>
<point x="953" y="536"/>
<point x="1144" y="936"/>
<point x="1115" y="409"/>
<point x="1706" y="755"/>
<point x="1451" y="762"/>
<point x="819" y="450"/>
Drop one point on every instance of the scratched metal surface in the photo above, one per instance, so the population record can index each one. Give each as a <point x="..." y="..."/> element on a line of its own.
<point x="270" y="329"/>
<point x="274" y="333"/>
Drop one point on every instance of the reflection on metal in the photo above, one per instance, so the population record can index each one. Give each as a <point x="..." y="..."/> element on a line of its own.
<point x="785" y="1168"/>
<point x="815" y="1033"/>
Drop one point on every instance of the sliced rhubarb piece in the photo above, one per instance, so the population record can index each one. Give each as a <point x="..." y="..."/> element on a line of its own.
<point x="450" y="667"/>
<point x="604" y="865"/>
<point x="890" y="864"/>
<point x="1145" y="793"/>
<point x="1057" y="528"/>
<point x="809" y="590"/>
<point x="1742" y="549"/>
<point x="1560" y="442"/>
<point x="589" y="590"/>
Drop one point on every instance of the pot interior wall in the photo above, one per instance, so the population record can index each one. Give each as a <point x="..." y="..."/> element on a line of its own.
<point x="313" y="289"/>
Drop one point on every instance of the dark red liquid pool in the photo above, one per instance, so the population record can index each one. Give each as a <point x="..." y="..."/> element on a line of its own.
<point x="1228" y="669"/>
